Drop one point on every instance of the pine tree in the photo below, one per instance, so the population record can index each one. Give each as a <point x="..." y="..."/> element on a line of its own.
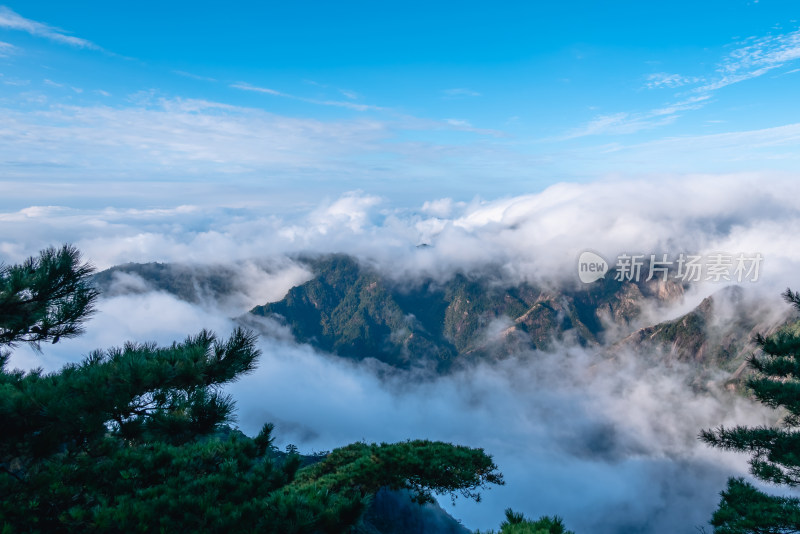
<point x="138" y="438"/>
<point x="45" y="298"/>
<point x="774" y="451"/>
<point x="516" y="523"/>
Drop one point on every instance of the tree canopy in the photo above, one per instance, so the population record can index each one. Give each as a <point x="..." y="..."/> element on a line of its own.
<point x="517" y="523"/>
<point x="774" y="451"/>
<point x="138" y="438"/>
<point x="45" y="298"/>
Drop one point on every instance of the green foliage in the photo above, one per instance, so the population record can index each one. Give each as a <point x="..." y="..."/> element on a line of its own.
<point x="136" y="438"/>
<point x="192" y="283"/>
<point x="45" y="298"/>
<point x="515" y="523"/>
<point x="744" y="509"/>
<point x="351" y="310"/>
<point x="420" y="466"/>
<point x="774" y="452"/>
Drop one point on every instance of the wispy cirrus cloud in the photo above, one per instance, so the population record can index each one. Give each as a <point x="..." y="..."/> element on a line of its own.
<point x="729" y="143"/>
<point x="347" y="93"/>
<point x="776" y="149"/>
<point x="753" y="58"/>
<point x="463" y="125"/>
<point x="13" y="21"/>
<point x="194" y="76"/>
<point x="244" y="86"/>
<point x="757" y="57"/>
<point x="661" y="80"/>
<point x="51" y="83"/>
<point x="57" y="150"/>
<point x="352" y="95"/>
<point x="6" y="49"/>
<point x="627" y="122"/>
<point x="184" y="134"/>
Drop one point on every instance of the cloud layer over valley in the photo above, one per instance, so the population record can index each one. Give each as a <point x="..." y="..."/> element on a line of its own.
<point x="610" y="445"/>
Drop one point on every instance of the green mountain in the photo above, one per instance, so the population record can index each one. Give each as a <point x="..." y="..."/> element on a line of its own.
<point x="717" y="335"/>
<point x="192" y="283"/>
<point x="352" y="310"/>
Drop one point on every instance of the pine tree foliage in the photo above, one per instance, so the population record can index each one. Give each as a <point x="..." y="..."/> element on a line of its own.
<point x="138" y="438"/>
<point x="743" y="508"/>
<point x="516" y="523"/>
<point x="45" y="298"/>
<point x="774" y="451"/>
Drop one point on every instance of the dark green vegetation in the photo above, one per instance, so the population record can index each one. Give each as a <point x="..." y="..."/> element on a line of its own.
<point x="774" y="452"/>
<point x="137" y="438"/>
<point x="355" y="312"/>
<point x="193" y="283"/>
<point x="516" y="523"/>
<point x="715" y="336"/>
<point x="45" y="298"/>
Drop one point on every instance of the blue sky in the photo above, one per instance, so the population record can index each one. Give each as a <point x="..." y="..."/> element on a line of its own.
<point x="283" y="104"/>
<point x="517" y="134"/>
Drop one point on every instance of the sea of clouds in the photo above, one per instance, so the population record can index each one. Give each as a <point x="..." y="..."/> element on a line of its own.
<point x="610" y="446"/>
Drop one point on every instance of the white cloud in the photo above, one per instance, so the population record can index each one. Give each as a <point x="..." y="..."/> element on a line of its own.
<point x="622" y="123"/>
<point x="463" y="125"/>
<point x="443" y="207"/>
<point x="660" y="80"/>
<point x="180" y="135"/>
<point x="16" y="82"/>
<point x="615" y="447"/>
<point x="347" y="93"/>
<point x="6" y="49"/>
<point x="351" y="211"/>
<point x="731" y="151"/>
<point x="757" y="57"/>
<point x="627" y="123"/>
<point x="247" y="87"/>
<point x="150" y="146"/>
<point x="613" y="443"/>
<point x="11" y="20"/>
<point x="335" y="103"/>
<point x="194" y="76"/>
<point x="619" y="437"/>
<point x="534" y="237"/>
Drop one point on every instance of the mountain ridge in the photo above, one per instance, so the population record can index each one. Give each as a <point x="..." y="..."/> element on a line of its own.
<point x="350" y="309"/>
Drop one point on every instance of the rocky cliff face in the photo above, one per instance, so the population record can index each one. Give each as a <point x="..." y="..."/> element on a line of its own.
<point x="351" y="310"/>
<point x="715" y="336"/>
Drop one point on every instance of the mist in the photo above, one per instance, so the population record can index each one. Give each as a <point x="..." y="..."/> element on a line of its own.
<point x="610" y="445"/>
